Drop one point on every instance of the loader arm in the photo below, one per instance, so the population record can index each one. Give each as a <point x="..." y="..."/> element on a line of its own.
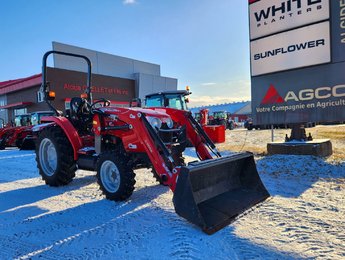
<point x="160" y="157"/>
<point x="196" y="135"/>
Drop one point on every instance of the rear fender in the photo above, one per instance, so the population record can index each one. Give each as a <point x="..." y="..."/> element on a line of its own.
<point x="68" y="129"/>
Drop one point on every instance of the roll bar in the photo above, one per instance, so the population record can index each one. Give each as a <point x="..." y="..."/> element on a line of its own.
<point x="44" y="75"/>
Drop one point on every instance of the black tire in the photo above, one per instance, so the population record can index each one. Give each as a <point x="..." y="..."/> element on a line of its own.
<point x="231" y="126"/>
<point x="2" y="144"/>
<point x="57" y="167"/>
<point x="19" y="143"/>
<point x="116" y="164"/>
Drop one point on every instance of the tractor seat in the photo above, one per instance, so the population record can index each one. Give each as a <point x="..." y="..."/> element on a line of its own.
<point x="80" y="114"/>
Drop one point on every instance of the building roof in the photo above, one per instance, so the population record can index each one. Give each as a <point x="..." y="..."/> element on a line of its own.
<point x="16" y="105"/>
<point x="232" y="108"/>
<point x="245" y="110"/>
<point x="18" y="84"/>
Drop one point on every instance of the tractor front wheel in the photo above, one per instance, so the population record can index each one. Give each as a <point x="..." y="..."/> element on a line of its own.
<point x="54" y="156"/>
<point x="114" y="176"/>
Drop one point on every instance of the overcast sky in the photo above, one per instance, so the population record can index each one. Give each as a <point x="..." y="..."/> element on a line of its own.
<point x="202" y="43"/>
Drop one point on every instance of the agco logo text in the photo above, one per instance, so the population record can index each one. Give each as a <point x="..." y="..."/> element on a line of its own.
<point x="319" y="93"/>
<point x="272" y="96"/>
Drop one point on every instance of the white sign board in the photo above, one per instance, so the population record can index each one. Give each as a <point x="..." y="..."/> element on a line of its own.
<point x="271" y="16"/>
<point x="306" y="46"/>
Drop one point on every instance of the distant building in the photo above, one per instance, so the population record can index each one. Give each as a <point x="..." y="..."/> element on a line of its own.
<point x="116" y="78"/>
<point x="228" y="107"/>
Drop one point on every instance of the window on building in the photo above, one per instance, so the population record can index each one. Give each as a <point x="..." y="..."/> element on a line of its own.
<point x="40" y="97"/>
<point x="20" y="111"/>
<point x="2" y="103"/>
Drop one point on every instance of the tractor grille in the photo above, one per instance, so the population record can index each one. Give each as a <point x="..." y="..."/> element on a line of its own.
<point x="172" y="136"/>
<point x="166" y="134"/>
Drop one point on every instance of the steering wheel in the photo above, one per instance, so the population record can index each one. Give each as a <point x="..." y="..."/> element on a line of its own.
<point x="104" y="102"/>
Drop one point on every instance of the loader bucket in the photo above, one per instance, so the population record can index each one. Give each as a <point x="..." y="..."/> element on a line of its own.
<point x="212" y="193"/>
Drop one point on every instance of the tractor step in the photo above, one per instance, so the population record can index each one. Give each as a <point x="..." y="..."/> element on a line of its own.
<point x="87" y="158"/>
<point x="87" y="150"/>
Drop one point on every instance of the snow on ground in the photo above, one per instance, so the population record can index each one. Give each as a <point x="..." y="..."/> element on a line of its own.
<point x="304" y="218"/>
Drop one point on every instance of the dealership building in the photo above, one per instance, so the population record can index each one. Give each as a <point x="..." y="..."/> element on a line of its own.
<point x="115" y="78"/>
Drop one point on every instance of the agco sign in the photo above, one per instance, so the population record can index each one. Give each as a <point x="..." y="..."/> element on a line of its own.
<point x="297" y="58"/>
<point x="319" y="98"/>
<point x="272" y="96"/>
<point x="268" y="17"/>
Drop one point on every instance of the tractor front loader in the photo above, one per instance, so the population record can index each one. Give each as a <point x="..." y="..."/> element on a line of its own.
<point x="115" y="141"/>
<point x="214" y="191"/>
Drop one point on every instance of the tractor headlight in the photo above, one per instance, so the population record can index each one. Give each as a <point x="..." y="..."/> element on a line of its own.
<point x="169" y="122"/>
<point x="155" y="122"/>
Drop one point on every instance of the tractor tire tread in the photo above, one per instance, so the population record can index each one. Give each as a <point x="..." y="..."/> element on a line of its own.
<point x="127" y="175"/>
<point x="66" y="165"/>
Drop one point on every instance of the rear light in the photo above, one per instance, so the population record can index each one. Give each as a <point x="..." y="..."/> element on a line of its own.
<point x="83" y="95"/>
<point x="51" y="95"/>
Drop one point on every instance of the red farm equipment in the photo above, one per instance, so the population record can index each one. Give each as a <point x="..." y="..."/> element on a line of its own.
<point x="21" y="135"/>
<point x="178" y="99"/>
<point x="14" y="136"/>
<point x="114" y="141"/>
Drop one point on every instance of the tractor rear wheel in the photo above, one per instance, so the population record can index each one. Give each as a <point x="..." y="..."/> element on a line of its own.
<point x="114" y="176"/>
<point x="54" y="156"/>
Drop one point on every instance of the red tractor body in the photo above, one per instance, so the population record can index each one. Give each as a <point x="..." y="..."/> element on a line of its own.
<point x="115" y="141"/>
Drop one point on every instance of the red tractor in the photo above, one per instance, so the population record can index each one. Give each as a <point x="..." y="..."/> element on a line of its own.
<point x="178" y="99"/>
<point x="115" y="141"/>
<point x="14" y="136"/>
<point x="21" y="135"/>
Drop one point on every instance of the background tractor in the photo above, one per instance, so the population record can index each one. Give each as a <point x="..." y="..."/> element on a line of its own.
<point x="172" y="99"/>
<point x="178" y="100"/>
<point x="14" y="136"/>
<point x="21" y="135"/>
<point x="115" y="141"/>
